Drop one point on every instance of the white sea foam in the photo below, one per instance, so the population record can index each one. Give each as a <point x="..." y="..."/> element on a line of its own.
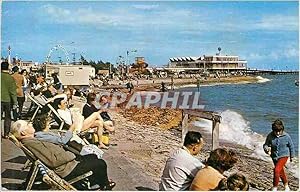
<point x="236" y="129"/>
<point x="261" y="79"/>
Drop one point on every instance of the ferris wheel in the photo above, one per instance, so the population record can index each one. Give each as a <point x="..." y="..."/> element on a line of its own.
<point x="56" y="47"/>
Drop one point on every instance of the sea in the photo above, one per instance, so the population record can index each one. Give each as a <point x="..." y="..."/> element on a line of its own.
<point x="248" y="110"/>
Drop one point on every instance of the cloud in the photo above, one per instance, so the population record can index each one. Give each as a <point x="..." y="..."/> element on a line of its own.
<point x="58" y="13"/>
<point x="274" y="55"/>
<point x="278" y="22"/>
<point x="119" y="17"/>
<point x="255" y="56"/>
<point x="145" y="7"/>
<point x="291" y="52"/>
<point x="78" y="16"/>
<point x="285" y="53"/>
<point x="182" y="20"/>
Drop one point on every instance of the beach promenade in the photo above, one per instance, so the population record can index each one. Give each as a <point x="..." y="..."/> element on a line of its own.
<point x="127" y="175"/>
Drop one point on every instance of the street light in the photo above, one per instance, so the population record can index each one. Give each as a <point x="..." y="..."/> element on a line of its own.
<point x="120" y="63"/>
<point x="127" y="58"/>
<point x="74" y="58"/>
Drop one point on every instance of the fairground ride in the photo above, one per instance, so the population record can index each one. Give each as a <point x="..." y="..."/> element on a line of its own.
<point x="55" y="48"/>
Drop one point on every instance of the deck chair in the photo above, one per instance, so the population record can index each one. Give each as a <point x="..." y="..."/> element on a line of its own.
<point x="35" y="102"/>
<point x="42" y="102"/>
<point x="48" y="176"/>
<point x="83" y="134"/>
<point x="87" y="134"/>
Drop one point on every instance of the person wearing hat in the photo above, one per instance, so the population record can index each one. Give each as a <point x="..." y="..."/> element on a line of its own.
<point x="19" y="79"/>
<point x="8" y="96"/>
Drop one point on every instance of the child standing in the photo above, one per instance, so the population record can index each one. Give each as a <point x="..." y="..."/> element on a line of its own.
<point x="280" y="147"/>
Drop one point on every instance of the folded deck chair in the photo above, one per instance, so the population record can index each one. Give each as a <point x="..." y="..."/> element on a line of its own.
<point x="48" y="176"/>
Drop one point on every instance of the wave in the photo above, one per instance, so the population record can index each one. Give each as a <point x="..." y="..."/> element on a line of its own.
<point x="234" y="128"/>
<point x="261" y="79"/>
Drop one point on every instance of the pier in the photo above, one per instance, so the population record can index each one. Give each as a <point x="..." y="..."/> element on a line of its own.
<point x="270" y="72"/>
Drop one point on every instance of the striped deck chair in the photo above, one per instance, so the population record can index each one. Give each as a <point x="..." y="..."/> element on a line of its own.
<point x="42" y="102"/>
<point x="48" y="176"/>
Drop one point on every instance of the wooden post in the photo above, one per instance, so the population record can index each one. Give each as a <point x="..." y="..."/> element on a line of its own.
<point x="184" y="128"/>
<point x="214" y="117"/>
<point x="215" y="134"/>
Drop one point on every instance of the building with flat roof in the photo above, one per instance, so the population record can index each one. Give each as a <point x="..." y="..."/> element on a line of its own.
<point x="214" y="63"/>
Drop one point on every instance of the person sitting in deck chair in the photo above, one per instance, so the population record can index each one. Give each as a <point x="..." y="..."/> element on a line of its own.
<point x="43" y="133"/>
<point x="62" y="162"/>
<point x="94" y="120"/>
<point x="90" y="107"/>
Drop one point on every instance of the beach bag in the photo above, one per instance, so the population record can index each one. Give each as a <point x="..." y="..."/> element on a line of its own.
<point x="105" y="139"/>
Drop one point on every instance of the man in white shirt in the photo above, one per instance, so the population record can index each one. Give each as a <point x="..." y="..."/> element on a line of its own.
<point x="182" y="166"/>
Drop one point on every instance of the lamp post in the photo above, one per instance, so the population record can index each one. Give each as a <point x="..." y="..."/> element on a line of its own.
<point x="128" y="60"/>
<point x="74" y="58"/>
<point x="120" y="64"/>
<point x="8" y="59"/>
<point x="109" y="68"/>
<point x="60" y="61"/>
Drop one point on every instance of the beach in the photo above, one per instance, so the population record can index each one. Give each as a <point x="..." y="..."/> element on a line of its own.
<point x="149" y="146"/>
<point x="157" y="132"/>
<point x="146" y="66"/>
<point x="144" y="139"/>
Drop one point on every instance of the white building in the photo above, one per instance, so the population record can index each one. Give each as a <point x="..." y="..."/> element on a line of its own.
<point x="71" y="74"/>
<point x="208" y="63"/>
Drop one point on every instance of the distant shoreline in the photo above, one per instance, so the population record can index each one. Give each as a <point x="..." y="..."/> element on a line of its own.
<point x="147" y="85"/>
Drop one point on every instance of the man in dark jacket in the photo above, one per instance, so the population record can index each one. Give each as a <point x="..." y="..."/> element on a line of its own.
<point x="8" y="96"/>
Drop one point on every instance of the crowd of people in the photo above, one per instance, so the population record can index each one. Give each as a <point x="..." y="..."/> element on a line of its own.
<point x="182" y="171"/>
<point x="52" y="146"/>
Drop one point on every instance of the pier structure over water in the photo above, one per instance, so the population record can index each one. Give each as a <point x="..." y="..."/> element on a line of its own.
<point x="270" y="72"/>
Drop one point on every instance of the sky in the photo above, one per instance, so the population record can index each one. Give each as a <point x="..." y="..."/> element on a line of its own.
<point x="264" y="33"/>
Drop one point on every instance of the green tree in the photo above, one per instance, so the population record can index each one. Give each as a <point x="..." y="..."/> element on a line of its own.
<point x="83" y="60"/>
<point x="99" y="65"/>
